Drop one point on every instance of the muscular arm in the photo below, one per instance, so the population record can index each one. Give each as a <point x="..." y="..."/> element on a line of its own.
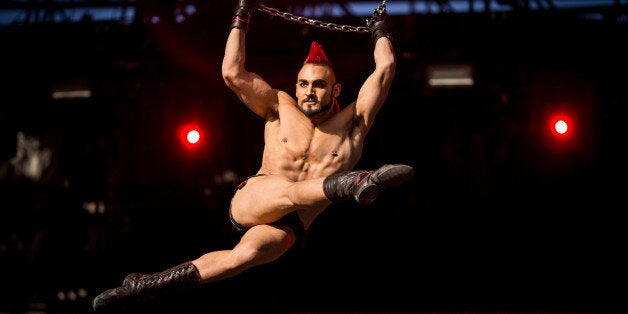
<point x="250" y="88"/>
<point x="375" y="89"/>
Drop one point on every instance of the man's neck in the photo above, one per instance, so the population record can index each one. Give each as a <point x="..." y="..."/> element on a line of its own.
<point x="322" y="117"/>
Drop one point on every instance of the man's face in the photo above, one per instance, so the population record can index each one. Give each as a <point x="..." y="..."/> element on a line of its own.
<point x="314" y="88"/>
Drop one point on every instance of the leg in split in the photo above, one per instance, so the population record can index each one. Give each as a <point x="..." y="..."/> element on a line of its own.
<point x="260" y="205"/>
<point x="259" y="245"/>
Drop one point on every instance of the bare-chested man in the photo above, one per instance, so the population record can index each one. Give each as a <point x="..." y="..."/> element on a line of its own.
<point x="311" y="147"/>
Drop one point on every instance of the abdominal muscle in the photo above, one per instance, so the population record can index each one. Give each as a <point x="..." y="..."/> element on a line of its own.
<point x="306" y="152"/>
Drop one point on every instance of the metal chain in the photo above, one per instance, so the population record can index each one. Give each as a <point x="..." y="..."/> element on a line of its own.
<point x="313" y="22"/>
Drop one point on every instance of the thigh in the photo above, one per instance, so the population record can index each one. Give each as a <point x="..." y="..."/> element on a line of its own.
<point x="261" y="200"/>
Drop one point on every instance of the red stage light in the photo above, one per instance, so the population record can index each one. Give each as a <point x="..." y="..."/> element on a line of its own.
<point x="561" y="125"/>
<point x="190" y="136"/>
<point x="193" y="136"/>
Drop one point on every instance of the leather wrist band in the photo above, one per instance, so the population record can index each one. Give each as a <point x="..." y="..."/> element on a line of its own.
<point x="379" y="30"/>
<point x="241" y="19"/>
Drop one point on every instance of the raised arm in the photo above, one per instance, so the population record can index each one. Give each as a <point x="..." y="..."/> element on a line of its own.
<point x="250" y="88"/>
<point x="375" y="89"/>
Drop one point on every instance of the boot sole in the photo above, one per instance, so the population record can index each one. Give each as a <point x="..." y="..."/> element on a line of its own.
<point x="387" y="176"/>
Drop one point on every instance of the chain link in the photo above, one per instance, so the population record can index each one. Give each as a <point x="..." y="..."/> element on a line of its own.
<point x="313" y="22"/>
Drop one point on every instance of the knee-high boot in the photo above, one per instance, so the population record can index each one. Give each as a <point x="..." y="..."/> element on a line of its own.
<point x="137" y="288"/>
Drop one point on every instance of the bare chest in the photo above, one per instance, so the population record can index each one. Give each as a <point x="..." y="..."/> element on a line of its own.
<point x="313" y="147"/>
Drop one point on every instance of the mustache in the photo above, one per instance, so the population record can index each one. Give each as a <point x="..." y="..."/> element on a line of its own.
<point x="314" y="99"/>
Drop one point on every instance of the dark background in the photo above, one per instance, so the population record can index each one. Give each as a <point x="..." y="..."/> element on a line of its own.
<point x="499" y="216"/>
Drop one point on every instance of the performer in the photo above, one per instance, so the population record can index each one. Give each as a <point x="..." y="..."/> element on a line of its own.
<point x="311" y="147"/>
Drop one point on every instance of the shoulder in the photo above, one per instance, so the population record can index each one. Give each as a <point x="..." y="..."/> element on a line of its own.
<point x="285" y="101"/>
<point x="284" y="98"/>
<point x="354" y="119"/>
<point x="345" y="119"/>
<point x="348" y="113"/>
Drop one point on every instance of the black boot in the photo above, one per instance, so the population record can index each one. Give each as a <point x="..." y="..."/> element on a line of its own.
<point x="137" y="288"/>
<point x="365" y="185"/>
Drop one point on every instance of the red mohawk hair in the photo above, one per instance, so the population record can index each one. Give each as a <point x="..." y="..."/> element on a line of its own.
<point x="317" y="55"/>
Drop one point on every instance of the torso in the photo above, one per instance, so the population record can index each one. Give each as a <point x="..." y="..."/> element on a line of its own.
<point x="299" y="149"/>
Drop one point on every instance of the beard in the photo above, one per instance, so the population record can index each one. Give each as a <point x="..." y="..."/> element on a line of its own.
<point x="310" y="111"/>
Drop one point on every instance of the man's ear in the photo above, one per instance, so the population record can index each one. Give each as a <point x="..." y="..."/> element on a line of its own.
<point x="337" y="89"/>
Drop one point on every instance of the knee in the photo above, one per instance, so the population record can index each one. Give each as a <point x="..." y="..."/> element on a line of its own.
<point x="246" y="256"/>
